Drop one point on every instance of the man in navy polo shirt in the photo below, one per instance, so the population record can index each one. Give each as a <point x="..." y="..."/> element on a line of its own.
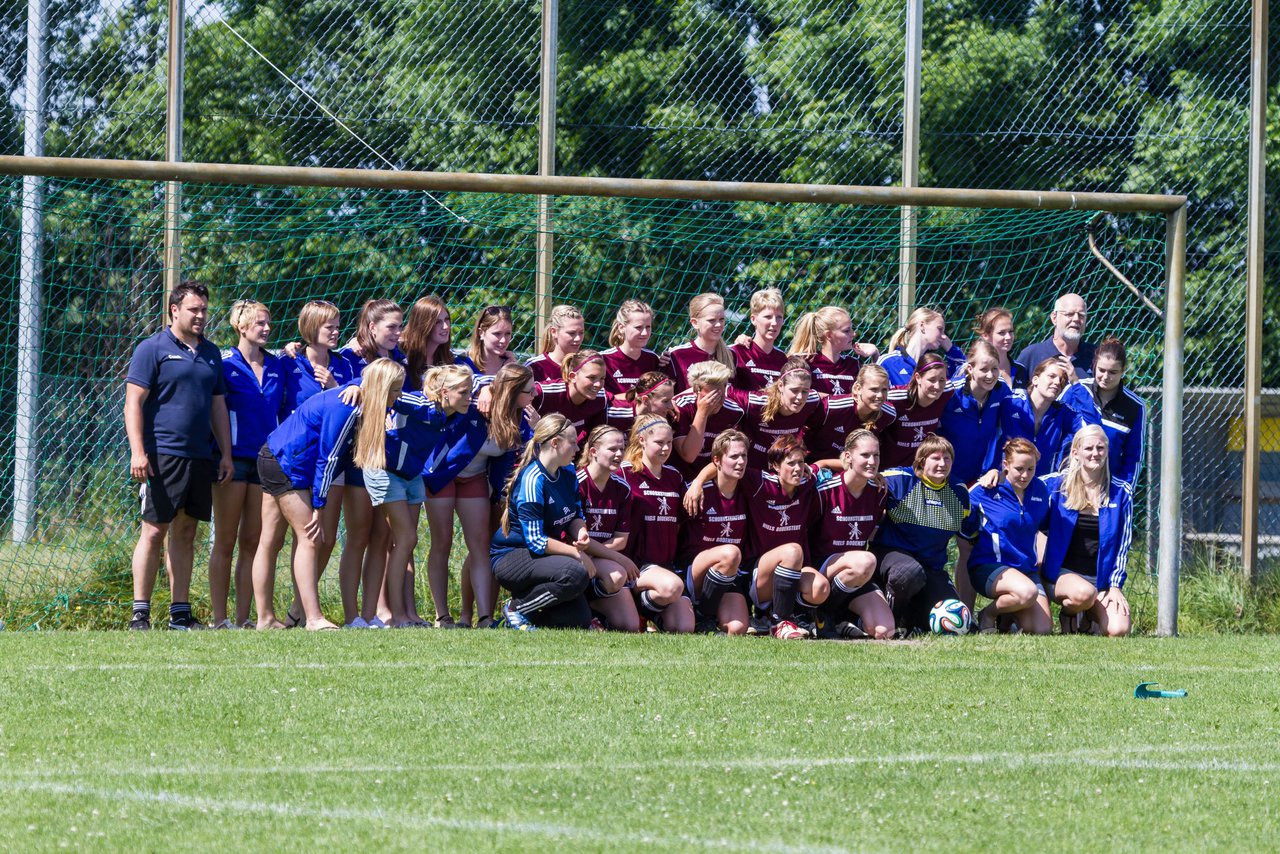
<point x="1067" y="344"/>
<point x="175" y="406"/>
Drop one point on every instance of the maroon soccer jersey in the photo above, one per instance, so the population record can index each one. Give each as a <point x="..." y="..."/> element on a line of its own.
<point x="622" y="371"/>
<point x="554" y="397"/>
<point x="763" y="435"/>
<point x="677" y="361"/>
<point x="827" y="432"/>
<point x="756" y="368"/>
<point x="846" y="523"/>
<point x="722" y="522"/>
<point x="777" y="518"/>
<point x="835" y="377"/>
<point x="544" y="368"/>
<point x="608" y="510"/>
<point x="621" y="416"/>
<point x="656" y="515"/>
<point x="686" y="404"/>
<point x="910" y="425"/>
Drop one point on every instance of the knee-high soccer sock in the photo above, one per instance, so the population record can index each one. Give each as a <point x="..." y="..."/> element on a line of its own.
<point x="649" y="610"/>
<point x="837" y="604"/>
<point x="786" y="587"/>
<point x="714" y="586"/>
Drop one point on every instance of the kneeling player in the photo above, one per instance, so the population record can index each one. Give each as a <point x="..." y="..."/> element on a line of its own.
<point x="850" y="508"/>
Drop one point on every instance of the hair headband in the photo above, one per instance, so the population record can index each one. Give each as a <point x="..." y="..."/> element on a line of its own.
<point x="659" y="423"/>
<point x="786" y="374"/>
<point x="654" y="388"/>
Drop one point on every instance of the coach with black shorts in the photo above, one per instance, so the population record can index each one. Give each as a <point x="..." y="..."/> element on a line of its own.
<point x="1067" y="343"/>
<point x="175" y="407"/>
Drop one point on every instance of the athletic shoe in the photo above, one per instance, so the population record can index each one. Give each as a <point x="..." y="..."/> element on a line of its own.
<point x="806" y="626"/>
<point x="357" y="623"/>
<point x="513" y="619"/>
<point x="140" y="624"/>
<point x="185" y="623"/>
<point x="759" y="626"/>
<point x="787" y="630"/>
<point x="849" y="630"/>
<point x="225" y="624"/>
<point x="376" y="623"/>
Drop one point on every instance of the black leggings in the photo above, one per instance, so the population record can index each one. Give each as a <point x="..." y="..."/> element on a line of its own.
<point x="911" y="587"/>
<point x="549" y="590"/>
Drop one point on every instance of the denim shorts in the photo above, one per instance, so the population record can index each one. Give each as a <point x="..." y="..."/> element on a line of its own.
<point x="984" y="578"/>
<point x="385" y="487"/>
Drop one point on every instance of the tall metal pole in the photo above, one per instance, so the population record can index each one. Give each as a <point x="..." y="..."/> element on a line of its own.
<point x="1254" y="287"/>
<point x="31" y="272"/>
<point x="173" y="153"/>
<point x="910" y="157"/>
<point x="547" y="157"/>
<point x="1170" y="558"/>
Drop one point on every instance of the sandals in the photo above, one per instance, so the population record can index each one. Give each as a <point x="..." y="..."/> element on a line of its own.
<point x="292" y="622"/>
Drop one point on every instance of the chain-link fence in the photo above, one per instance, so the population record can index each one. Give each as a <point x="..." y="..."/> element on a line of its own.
<point x="1119" y="95"/>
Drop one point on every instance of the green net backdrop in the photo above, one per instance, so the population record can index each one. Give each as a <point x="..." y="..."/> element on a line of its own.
<point x="103" y="290"/>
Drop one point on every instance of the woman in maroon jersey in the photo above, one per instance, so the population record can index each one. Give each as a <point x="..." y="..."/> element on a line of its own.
<point x="918" y="411"/>
<point x="606" y="504"/>
<point x="714" y="539"/>
<point x="656" y="517"/>
<point x="784" y="409"/>
<point x="780" y="506"/>
<point x="651" y="395"/>
<point x="627" y="360"/>
<point x="563" y="338"/>
<point x="850" y="508"/>
<point x="706" y="316"/>
<point x="702" y="413"/>
<point x="870" y="410"/>
<point x="822" y="337"/>
<point x="581" y="397"/>
<point x="758" y="361"/>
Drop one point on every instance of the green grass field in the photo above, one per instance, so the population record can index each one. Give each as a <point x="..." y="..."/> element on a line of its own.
<point x="438" y="740"/>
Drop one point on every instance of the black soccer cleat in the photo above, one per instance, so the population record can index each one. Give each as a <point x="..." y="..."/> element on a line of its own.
<point x="185" y="623"/>
<point x="140" y="623"/>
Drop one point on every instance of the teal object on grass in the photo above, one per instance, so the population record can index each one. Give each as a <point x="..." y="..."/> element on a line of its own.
<point x="1146" y="690"/>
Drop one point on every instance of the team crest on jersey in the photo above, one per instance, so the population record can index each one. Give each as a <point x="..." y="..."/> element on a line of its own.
<point x="855" y="531"/>
<point x="664" y="507"/>
<point x="836" y="388"/>
<point x="783" y="519"/>
<point x="726" y="530"/>
<point x="919" y="434"/>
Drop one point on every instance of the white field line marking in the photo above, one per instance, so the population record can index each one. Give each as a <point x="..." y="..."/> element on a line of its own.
<point x="1102" y="757"/>
<point x="1094" y="667"/>
<point x="404" y="819"/>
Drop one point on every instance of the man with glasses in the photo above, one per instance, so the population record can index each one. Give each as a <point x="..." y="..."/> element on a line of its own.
<point x="1067" y="344"/>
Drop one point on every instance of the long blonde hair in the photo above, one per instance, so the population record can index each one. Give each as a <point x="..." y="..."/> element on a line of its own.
<point x="812" y="329"/>
<point x="623" y="317"/>
<point x="549" y="426"/>
<point x="795" y="365"/>
<point x="560" y="315"/>
<point x="918" y="318"/>
<point x="380" y="384"/>
<point x="634" y="454"/>
<point x="696" y="306"/>
<point x="1075" y="492"/>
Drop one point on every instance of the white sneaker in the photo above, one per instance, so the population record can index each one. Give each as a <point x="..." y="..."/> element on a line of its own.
<point x="357" y="623"/>
<point x="376" y="623"/>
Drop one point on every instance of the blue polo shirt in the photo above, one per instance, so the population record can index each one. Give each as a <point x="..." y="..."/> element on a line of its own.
<point x="255" y="407"/>
<point x="181" y="385"/>
<point x="300" y="375"/>
<point x="1034" y="354"/>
